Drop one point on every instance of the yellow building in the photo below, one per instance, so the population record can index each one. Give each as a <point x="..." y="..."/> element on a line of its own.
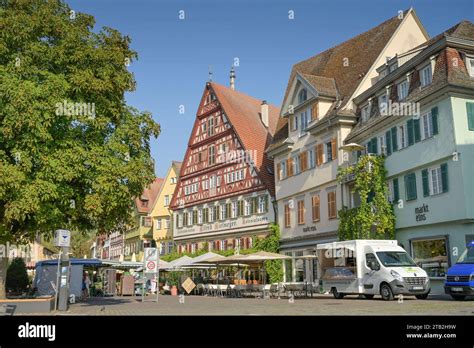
<point x="160" y="212"/>
<point x="140" y="236"/>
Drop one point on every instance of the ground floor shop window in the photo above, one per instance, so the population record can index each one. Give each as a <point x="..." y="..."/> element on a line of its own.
<point x="431" y="255"/>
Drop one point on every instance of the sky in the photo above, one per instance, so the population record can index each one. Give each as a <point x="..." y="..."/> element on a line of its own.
<point x="263" y="38"/>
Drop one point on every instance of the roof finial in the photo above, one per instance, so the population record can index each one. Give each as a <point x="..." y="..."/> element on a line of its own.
<point x="232" y="78"/>
<point x="210" y="73"/>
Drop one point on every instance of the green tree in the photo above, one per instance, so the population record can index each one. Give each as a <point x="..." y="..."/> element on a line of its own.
<point x="17" y="278"/>
<point x="81" y="243"/>
<point x="73" y="154"/>
<point x="374" y="218"/>
<point x="271" y="243"/>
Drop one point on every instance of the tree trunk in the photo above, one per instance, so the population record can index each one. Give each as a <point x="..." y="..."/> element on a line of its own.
<point x="3" y="276"/>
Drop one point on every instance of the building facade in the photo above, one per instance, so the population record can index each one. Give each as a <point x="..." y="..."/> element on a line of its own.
<point x="161" y="212"/>
<point x="140" y="236"/>
<point x="317" y="115"/>
<point x="224" y="195"/>
<point x="420" y="116"/>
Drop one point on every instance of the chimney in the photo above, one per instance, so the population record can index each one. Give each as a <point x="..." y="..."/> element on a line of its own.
<point x="264" y="113"/>
<point x="232" y="78"/>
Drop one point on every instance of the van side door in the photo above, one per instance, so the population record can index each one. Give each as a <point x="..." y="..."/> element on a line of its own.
<point x="370" y="279"/>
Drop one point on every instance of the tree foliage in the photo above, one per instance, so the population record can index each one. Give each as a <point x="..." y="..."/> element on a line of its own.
<point x="374" y="218"/>
<point x="271" y="243"/>
<point x="17" y="278"/>
<point x="64" y="167"/>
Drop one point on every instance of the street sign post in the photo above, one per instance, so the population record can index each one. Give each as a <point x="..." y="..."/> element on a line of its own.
<point x="151" y="268"/>
<point x="62" y="239"/>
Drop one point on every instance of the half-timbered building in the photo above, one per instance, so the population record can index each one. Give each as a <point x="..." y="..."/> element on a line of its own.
<point x="225" y="193"/>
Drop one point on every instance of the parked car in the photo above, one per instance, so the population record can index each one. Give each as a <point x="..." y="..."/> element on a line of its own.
<point x="460" y="278"/>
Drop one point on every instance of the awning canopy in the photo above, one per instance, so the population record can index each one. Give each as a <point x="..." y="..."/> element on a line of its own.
<point x="84" y="262"/>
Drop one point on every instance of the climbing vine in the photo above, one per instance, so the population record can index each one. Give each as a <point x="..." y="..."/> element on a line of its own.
<point x="374" y="218"/>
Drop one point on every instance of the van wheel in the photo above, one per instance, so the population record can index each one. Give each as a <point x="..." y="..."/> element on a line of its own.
<point x="458" y="297"/>
<point x="386" y="292"/>
<point x="369" y="297"/>
<point x="336" y="294"/>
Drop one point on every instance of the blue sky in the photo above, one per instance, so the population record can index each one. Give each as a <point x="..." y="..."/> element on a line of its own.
<point x="174" y="54"/>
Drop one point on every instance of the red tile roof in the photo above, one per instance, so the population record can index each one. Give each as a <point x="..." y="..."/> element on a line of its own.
<point x="243" y="112"/>
<point x="149" y="194"/>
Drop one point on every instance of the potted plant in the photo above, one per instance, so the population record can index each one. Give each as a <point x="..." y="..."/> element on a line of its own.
<point x="174" y="280"/>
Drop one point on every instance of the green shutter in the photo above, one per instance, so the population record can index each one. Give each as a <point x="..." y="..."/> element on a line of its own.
<point x="434" y="119"/>
<point x="396" y="192"/>
<point x="444" y="176"/>
<point x="254" y="205"/>
<point x="394" y="139"/>
<point x="411" y="132"/>
<point x="426" y="185"/>
<point x="241" y="208"/>
<point x="470" y="116"/>
<point x="195" y="217"/>
<point x="373" y="145"/>
<point x="266" y="203"/>
<point x="416" y="126"/>
<point x="410" y="186"/>
<point x="388" y="143"/>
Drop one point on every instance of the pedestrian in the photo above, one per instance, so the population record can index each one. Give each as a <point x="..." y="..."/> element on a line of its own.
<point x="86" y="282"/>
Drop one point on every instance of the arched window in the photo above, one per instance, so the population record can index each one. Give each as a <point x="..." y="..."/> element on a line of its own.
<point x="302" y="96"/>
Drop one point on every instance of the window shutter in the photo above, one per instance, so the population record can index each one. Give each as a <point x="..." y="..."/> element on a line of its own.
<point x="411" y="132"/>
<point x="426" y="185"/>
<point x="444" y="176"/>
<point x="266" y="202"/>
<point x="315" y="111"/>
<point x="417" y="130"/>
<point x="216" y="214"/>
<point x="394" y="139"/>
<point x="396" y="192"/>
<point x="319" y="151"/>
<point x="373" y="145"/>
<point x="228" y="210"/>
<point x="388" y="143"/>
<point x="470" y="116"/>
<point x="195" y="215"/>
<point x="254" y="205"/>
<point x="434" y="119"/>
<point x="334" y="148"/>
<point x="279" y="171"/>
<point x="241" y="208"/>
<point x="410" y="186"/>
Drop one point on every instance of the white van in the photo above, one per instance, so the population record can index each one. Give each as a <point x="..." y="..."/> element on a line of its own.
<point x="370" y="267"/>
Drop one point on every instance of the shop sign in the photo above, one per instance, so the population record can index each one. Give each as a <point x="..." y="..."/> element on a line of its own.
<point x="420" y="213"/>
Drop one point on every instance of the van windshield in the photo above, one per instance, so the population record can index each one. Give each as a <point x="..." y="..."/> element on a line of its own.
<point x="395" y="259"/>
<point x="467" y="256"/>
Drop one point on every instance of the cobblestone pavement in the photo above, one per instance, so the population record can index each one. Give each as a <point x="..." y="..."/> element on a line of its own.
<point x="318" y="305"/>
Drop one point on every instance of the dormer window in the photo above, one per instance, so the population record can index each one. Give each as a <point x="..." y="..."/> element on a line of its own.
<point x="144" y="203"/>
<point x="302" y="96"/>
<point x="382" y="103"/>
<point x="365" y="113"/>
<point x="402" y="89"/>
<point x="426" y="76"/>
<point x="470" y="66"/>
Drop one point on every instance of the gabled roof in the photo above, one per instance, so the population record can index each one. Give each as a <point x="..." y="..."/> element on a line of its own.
<point x="360" y="53"/>
<point x="149" y="194"/>
<point x="325" y="86"/>
<point x="177" y="167"/>
<point x="243" y="112"/>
